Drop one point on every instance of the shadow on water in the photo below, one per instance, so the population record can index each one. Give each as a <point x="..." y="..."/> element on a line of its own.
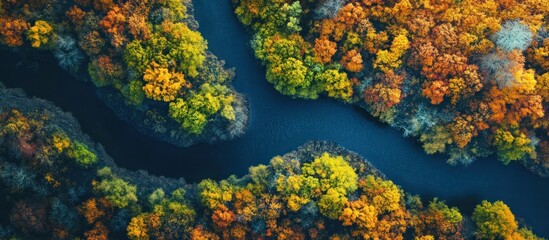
<point x="279" y="124"/>
<point x="4" y="217"/>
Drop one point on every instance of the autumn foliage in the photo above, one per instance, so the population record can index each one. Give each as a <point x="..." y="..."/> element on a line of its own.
<point x="478" y="66"/>
<point x="150" y="52"/>
<point x="318" y="192"/>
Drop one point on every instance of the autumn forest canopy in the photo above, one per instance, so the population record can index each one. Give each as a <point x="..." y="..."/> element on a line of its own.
<point x="467" y="79"/>
<point x="149" y="54"/>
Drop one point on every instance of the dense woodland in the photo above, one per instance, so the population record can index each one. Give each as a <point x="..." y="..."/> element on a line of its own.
<point x="56" y="183"/>
<point x="150" y="52"/>
<point x="467" y="78"/>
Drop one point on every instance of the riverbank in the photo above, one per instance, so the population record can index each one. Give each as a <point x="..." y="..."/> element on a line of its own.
<point x="63" y="196"/>
<point x="454" y="105"/>
<point x="141" y="89"/>
<point x="278" y="125"/>
<point x="152" y="118"/>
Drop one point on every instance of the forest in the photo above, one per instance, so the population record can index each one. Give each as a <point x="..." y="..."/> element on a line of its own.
<point x="148" y="55"/>
<point x="466" y="78"/>
<point x="58" y="184"/>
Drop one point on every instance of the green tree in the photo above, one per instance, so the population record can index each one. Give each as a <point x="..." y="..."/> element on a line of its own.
<point x="119" y="192"/>
<point x="332" y="203"/>
<point x="436" y="139"/>
<point x="329" y="178"/>
<point x="194" y="112"/>
<point x="213" y="194"/>
<point x="188" y="47"/>
<point x="278" y="47"/>
<point x="332" y="172"/>
<point x="81" y="154"/>
<point x="512" y="144"/>
<point x="336" y="84"/>
<point x="157" y="196"/>
<point x="174" y="46"/>
<point x="291" y="77"/>
<point x="134" y="92"/>
<point x="174" y="209"/>
<point x="298" y="190"/>
<point x="494" y="220"/>
<point x="527" y="234"/>
<point x="287" y="17"/>
<point x="174" y="10"/>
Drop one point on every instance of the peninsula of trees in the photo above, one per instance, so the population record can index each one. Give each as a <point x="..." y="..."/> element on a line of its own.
<point x="147" y="57"/>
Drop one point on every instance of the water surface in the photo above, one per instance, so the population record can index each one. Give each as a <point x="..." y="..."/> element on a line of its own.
<point x="279" y="124"/>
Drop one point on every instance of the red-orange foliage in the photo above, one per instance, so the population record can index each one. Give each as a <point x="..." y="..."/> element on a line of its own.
<point x="445" y="38"/>
<point x="351" y="14"/>
<point x="92" y="43"/>
<point x="223" y="217"/>
<point x="444" y="66"/>
<point x="421" y="23"/>
<point x="352" y="61"/>
<point x="435" y="222"/>
<point x="324" y="50"/>
<point x="30" y="217"/>
<point x="332" y="28"/>
<point x="138" y="27"/>
<point x="435" y="90"/>
<point x="108" y="66"/>
<point x="28" y="149"/>
<point x="98" y="232"/>
<point x="199" y="233"/>
<point x="423" y="55"/>
<point x="512" y="108"/>
<point x="497" y="104"/>
<point x="76" y="15"/>
<point x="386" y="93"/>
<point x="462" y="130"/>
<point x="12" y="31"/>
<point x="96" y="209"/>
<point x="107" y="70"/>
<point x="527" y="106"/>
<point x="114" y="26"/>
<point x="103" y="5"/>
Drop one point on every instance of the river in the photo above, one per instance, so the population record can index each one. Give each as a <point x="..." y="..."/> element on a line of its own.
<point x="279" y="124"/>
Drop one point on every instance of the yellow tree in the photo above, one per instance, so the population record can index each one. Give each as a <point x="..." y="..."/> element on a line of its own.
<point x="494" y="220"/>
<point x="387" y="60"/>
<point x="40" y="34"/>
<point x="163" y="84"/>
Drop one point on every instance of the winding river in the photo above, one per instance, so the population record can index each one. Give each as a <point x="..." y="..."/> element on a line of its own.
<point x="279" y="124"/>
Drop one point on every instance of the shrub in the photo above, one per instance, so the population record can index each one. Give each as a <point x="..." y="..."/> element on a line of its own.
<point x="81" y="154"/>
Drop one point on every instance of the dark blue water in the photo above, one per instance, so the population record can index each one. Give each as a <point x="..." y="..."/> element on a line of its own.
<point x="279" y="124"/>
